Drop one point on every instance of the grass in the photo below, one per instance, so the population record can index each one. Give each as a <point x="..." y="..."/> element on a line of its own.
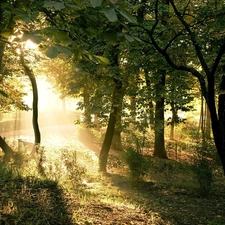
<point x="62" y="186"/>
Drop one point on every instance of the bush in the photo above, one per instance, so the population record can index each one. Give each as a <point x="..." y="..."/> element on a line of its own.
<point x="62" y="166"/>
<point x="6" y="174"/>
<point x="203" y="168"/>
<point x="137" y="164"/>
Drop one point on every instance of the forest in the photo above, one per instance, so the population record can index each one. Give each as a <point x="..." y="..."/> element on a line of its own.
<point x="112" y="112"/>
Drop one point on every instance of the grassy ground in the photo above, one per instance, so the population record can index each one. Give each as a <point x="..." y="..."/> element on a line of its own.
<point x="62" y="186"/>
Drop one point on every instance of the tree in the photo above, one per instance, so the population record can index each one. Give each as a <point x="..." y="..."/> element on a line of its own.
<point x="30" y="74"/>
<point x="180" y="92"/>
<point x="198" y="29"/>
<point x="117" y="99"/>
<point x="159" y="147"/>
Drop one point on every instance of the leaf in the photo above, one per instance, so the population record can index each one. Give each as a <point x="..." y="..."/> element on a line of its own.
<point x="110" y="14"/>
<point x="22" y="18"/>
<point x="20" y="15"/>
<point x="56" y="5"/>
<point x="3" y="94"/>
<point x="128" y="17"/>
<point x="36" y="39"/>
<point x="137" y="39"/>
<point x="29" y="36"/>
<point x="62" y="37"/>
<point x="52" y="52"/>
<point x="7" y="33"/>
<point x="77" y="56"/>
<point x="96" y="3"/>
<point x="64" y="50"/>
<point x="110" y="37"/>
<point x="102" y="60"/>
<point x="129" y="38"/>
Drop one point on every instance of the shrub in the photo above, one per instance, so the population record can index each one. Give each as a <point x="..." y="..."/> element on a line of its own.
<point x="61" y="166"/>
<point x="203" y="168"/>
<point x="6" y="174"/>
<point x="137" y="164"/>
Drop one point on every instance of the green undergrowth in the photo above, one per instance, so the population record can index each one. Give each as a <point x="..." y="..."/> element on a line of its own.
<point x="61" y="186"/>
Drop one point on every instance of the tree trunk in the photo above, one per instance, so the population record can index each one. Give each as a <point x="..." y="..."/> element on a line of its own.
<point x="151" y="107"/>
<point x="217" y="123"/>
<point x="96" y="122"/>
<point x="159" y="147"/>
<point x="31" y="76"/>
<point x="207" y="122"/>
<point x="116" y="141"/>
<point x="6" y="149"/>
<point x="2" y="47"/>
<point x="117" y="95"/>
<point x="133" y="108"/>
<point x="174" y="119"/>
<point x="86" y="96"/>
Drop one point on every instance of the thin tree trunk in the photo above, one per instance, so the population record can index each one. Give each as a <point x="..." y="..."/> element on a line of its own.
<point x="207" y="122"/>
<point x="31" y="76"/>
<point x="151" y="107"/>
<point x="201" y="116"/>
<point x="173" y="121"/>
<point x="86" y="97"/>
<point x="2" y="46"/>
<point x="133" y="108"/>
<point x="117" y="95"/>
<point x="6" y="149"/>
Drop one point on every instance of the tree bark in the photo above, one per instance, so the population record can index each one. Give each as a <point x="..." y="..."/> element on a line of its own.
<point x="217" y="121"/>
<point x="207" y="73"/>
<point x="207" y="122"/>
<point x="117" y="95"/>
<point x="151" y="107"/>
<point x="6" y="149"/>
<point x="116" y="141"/>
<point x="174" y="120"/>
<point x="32" y="78"/>
<point x="159" y="146"/>
<point x="218" y="135"/>
<point x="86" y="97"/>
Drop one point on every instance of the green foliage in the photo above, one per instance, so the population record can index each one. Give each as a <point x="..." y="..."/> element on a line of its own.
<point x="203" y="168"/>
<point x="61" y="167"/>
<point x="217" y="221"/>
<point x="96" y="3"/>
<point x="137" y="164"/>
<point x="110" y="14"/>
<point x="171" y="173"/>
<point x="6" y="174"/>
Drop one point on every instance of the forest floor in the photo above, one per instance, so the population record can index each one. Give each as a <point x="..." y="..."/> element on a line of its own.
<point x="168" y="196"/>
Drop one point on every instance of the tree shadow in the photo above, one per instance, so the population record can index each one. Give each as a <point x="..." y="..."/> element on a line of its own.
<point x="32" y="201"/>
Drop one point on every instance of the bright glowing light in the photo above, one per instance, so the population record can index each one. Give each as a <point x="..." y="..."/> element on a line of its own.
<point x="30" y="45"/>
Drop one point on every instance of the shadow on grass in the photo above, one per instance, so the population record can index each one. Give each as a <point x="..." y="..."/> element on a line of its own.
<point x="174" y="204"/>
<point x="29" y="200"/>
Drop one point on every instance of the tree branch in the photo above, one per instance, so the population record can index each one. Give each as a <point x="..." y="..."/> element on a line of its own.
<point x="193" y="39"/>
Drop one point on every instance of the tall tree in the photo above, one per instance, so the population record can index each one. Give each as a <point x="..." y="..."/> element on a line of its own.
<point x="199" y="30"/>
<point x="159" y="146"/>
<point x="117" y="99"/>
<point x="30" y="74"/>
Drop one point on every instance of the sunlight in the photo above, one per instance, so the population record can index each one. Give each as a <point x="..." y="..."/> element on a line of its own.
<point x="30" y="45"/>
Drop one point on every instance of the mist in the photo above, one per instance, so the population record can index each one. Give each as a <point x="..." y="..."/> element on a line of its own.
<point x="56" y="117"/>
